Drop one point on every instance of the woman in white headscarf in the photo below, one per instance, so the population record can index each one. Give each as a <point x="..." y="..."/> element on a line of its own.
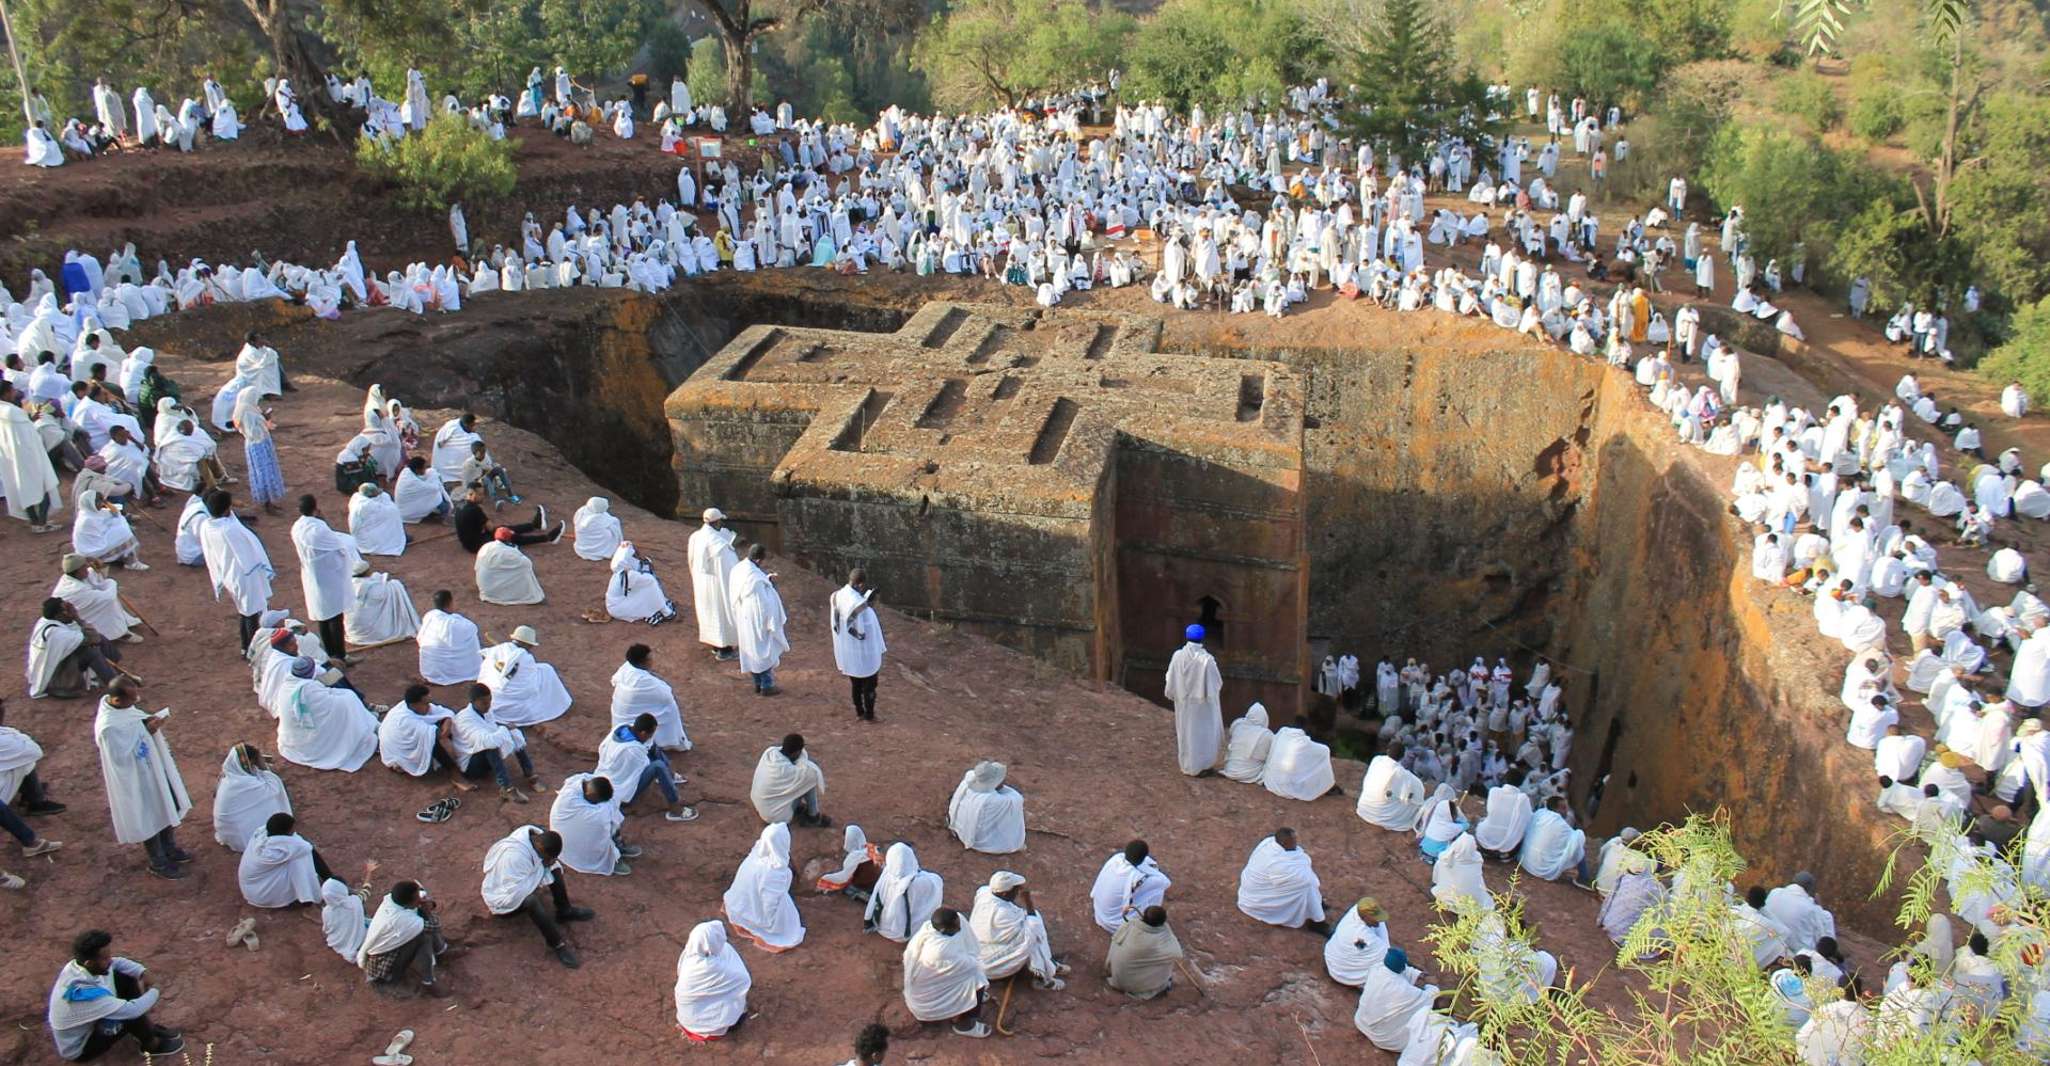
<point x="633" y="593"/>
<point x="99" y="531"/>
<point x="1457" y="875"/>
<point x="711" y="984"/>
<point x="858" y="852"/>
<point x="598" y="530"/>
<point x="758" y="903"/>
<point x="249" y="793"/>
<point x="341" y="918"/>
<point x="1245" y="755"/>
<point x="905" y="896"/>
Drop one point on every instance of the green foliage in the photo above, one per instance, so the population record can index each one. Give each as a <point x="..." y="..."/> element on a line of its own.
<point x="1222" y="52"/>
<point x="668" y="52"/>
<point x="595" y="38"/>
<point x="983" y="52"/>
<point x="1889" y="243"/>
<point x="707" y="77"/>
<point x="2001" y="204"/>
<point x="64" y="45"/>
<point x="1616" y="51"/>
<point x="1809" y="97"/>
<point x="1787" y="183"/>
<point x="2025" y="356"/>
<point x="1675" y="138"/>
<point x="447" y="163"/>
<point x="1877" y="115"/>
<point x="1611" y="63"/>
<point x="1408" y="93"/>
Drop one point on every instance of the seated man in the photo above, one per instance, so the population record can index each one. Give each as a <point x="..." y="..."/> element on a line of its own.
<point x="482" y="745"/>
<point x="1389" y="999"/>
<point x="629" y="754"/>
<point x="1358" y="944"/>
<point x="524" y="690"/>
<point x="1278" y="886"/>
<point x="279" y="867"/>
<point x="505" y="575"/>
<point x="99" y="998"/>
<point x="1794" y="907"/>
<point x="636" y="690"/>
<point x="905" y="896"/>
<point x="1500" y="834"/>
<point x="404" y="936"/>
<point x="1298" y="767"/>
<point x="943" y="977"/>
<point x="515" y="871"/>
<point x="788" y="785"/>
<point x="1552" y="847"/>
<point x="1390" y="796"/>
<point x="1143" y="954"/>
<point x="419" y="735"/>
<point x="323" y="727"/>
<point x="1129" y="883"/>
<point x="587" y="818"/>
<point x="479" y="468"/>
<point x="382" y="612"/>
<point x="474" y="530"/>
<point x="419" y="493"/>
<point x="1635" y="891"/>
<point x="375" y="522"/>
<point x="61" y="651"/>
<point x="449" y="649"/>
<point x="454" y="444"/>
<point x="986" y="814"/>
<point x="96" y="598"/>
<point x="1010" y="933"/>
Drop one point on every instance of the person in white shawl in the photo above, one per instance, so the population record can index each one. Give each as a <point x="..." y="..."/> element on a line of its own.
<point x="858" y="640"/>
<point x="323" y="728"/>
<point x="418" y="734"/>
<point x="145" y="793"/>
<point x="522" y="877"/>
<point x="905" y="895"/>
<point x="375" y="522"/>
<point x="633" y="593"/>
<point x="1129" y="882"/>
<point x="279" y="867"/>
<point x="100" y="532"/>
<point x="450" y="651"/>
<point x="758" y="620"/>
<point x="637" y="691"/>
<point x="237" y="563"/>
<point x="587" y="817"/>
<point x="943" y="978"/>
<point x="482" y="745"/>
<point x="1010" y="934"/>
<point x="100" y="998"/>
<point x="258" y="363"/>
<point x="249" y="793"/>
<point x="712" y="561"/>
<point x="598" y="530"/>
<point x="524" y="690"/>
<point x="986" y="814"/>
<point x="1506" y="822"/>
<point x="758" y="901"/>
<point x="1247" y="746"/>
<point x="27" y="477"/>
<point x="1552" y="847"/>
<point x="788" y="785"/>
<point x="326" y="560"/>
<point x="711" y="984"/>
<point x="419" y="492"/>
<point x="452" y="446"/>
<point x="382" y="612"/>
<point x="404" y="936"/>
<point x="505" y="575"/>
<point x="1277" y="885"/>
<point x="1193" y="684"/>
<point x="1389" y="998"/>
<point x="1298" y="768"/>
<point x="342" y="920"/>
<point x="96" y="598"/>
<point x="1456" y="875"/>
<point x="1390" y="796"/>
<point x="1793" y="906"/>
<point x="1358" y="944"/>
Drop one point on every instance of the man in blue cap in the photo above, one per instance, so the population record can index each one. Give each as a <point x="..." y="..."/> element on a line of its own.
<point x="1193" y="684"/>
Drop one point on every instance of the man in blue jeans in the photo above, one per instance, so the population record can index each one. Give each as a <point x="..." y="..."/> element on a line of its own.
<point x="629" y="754"/>
<point x="481" y="741"/>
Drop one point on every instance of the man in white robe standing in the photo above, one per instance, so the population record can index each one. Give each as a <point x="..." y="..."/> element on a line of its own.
<point x="280" y="868"/>
<point x="758" y="620"/>
<point x="637" y="691"/>
<point x="524" y="690"/>
<point x="26" y="475"/>
<point x="858" y="641"/>
<point x="985" y="814"/>
<point x="258" y="363"/>
<point x="1193" y="683"/>
<point x="712" y="560"/>
<point x="327" y="560"/>
<point x="145" y="794"/>
<point x="1010" y="934"/>
<point x="236" y="562"/>
<point x="450" y="650"/>
<point x="1278" y="886"/>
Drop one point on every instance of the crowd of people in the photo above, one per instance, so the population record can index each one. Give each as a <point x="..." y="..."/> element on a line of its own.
<point x="1034" y="199"/>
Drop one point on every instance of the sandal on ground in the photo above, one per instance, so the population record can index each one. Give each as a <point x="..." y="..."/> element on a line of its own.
<point x="977" y="1031"/>
<point x="242" y="929"/>
<point x="437" y="812"/>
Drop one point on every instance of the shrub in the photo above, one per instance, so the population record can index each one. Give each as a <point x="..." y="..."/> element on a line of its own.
<point x="446" y="163"/>
<point x="2025" y="357"/>
<point x="1877" y="114"/>
<point x="1809" y="97"/>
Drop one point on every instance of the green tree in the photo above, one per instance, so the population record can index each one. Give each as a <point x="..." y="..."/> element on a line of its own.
<point x="1788" y="184"/>
<point x="1408" y="92"/>
<point x="983" y="52"/>
<point x="1222" y="52"/>
<point x="595" y="38"/>
<point x="449" y="162"/>
<point x="2025" y="355"/>
<point x="1611" y="63"/>
<point x="738" y="24"/>
<point x="2002" y="204"/>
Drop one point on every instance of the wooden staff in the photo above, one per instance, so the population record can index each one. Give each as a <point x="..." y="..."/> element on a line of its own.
<point x="1188" y="973"/>
<point x="1005" y="1004"/>
<point x="130" y="608"/>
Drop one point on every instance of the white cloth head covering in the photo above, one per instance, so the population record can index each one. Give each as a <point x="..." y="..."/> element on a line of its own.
<point x="758" y="903"/>
<point x="341" y="918"/>
<point x="711" y="982"/>
<point x="244" y="800"/>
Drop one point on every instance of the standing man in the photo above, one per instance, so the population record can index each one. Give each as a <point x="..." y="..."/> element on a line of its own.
<point x="325" y="561"/>
<point x="236" y="562"/>
<point x="99" y="998"/>
<point x="858" y="641"/>
<point x="1193" y="684"/>
<point x="145" y="793"/>
<point x="711" y="562"/>
<point x="758" y="619"/>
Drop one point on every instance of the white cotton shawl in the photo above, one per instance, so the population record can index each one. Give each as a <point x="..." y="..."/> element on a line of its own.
<point x="418" y="495"/>
<point x="1507" y="820"/>
<point x="1193" y="683"/>
<point x="324" y="728"/>
<point x="598" y="530"/>
<point x="26" y="476"/>
<point x="505" y="576"/>
<point x="383" y="613"/>
<point x="512" y="871"/>
<point x="145" y="793"/>
<point x="405" y="741"/>
<point x="586" y="828"/>
<point x="1278" y="886"/>
<point x="49" y="642"/>
<point x="244" y="800"/>
<point x="1004" y="933"/>
<point x="341" y="919"/>
<point x="711" y="982"/>
<point x="1390" y="796"/>
<point x="524" y="690"/>
<point x="1246" y="749"/>
<point x="449" y="651"/>
<point x="622" y="759"/>
<point x="1298" y="768"/>
<point x="854" y="848"/>
<point x="390" y="928"/>
<point x="942" y="974"/>
<point x="277" y="871"/>
<point x="758" y="617"/>
<point x="1355" y="949"/>
<point x="985" y="814"/>
<point x="636" y="692"/>
<point x="326" y="559"/>
<point x="758" y="902"/>
<point x="1457" y="874"/>
<point x="1551" y="846"/>
<point x="904" y="895"/>
<point x="779" y="783"/>
<point x="711" y="564"/>
<point x="1388" y="1001"/>
<point x="236" y="563"/>
<point x="1122" y="891"/>
<point x="376" y="524"/>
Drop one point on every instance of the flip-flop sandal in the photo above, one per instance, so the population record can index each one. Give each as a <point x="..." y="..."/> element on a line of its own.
<point x="241" y="929"/>
<point x="435" y="813"/>
<point x="392" y="1059"/>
